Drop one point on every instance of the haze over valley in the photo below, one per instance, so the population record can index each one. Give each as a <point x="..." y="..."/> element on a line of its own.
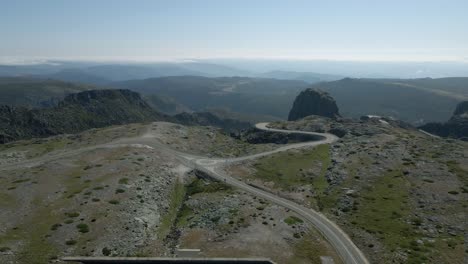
<point x="233" y="132"/>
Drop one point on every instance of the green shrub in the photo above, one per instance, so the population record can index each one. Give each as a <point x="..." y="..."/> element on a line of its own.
<point x="292" y="220"/>
<point x="4" y="249"/>
<point x="114" y="202"/>
<point x="72" y="214"/>
<point x="123" y="181"/>
<point x="215" y="219"/>
<point x="82" y="228"/>
<point x="106" y="251"/>
<point x="70" y="242"/>
<point x="55" y="227"/>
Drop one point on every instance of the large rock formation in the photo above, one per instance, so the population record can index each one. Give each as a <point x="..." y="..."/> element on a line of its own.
<point x="94" y="109"/>
<point x="456" y="127"/>
<point x="313" y="102"/>
<point x="77" y="112"/>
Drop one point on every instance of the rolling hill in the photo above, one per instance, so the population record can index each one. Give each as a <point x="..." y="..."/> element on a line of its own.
<point x="33" y="92"/>
<point x="414" y="100"/>
<point x="257" y="96"/>
<point x="75" y="113"/>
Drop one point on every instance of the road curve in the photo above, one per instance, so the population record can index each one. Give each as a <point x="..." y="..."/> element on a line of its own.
<point x="348" y="251"/>
<point x="213" y="167"/>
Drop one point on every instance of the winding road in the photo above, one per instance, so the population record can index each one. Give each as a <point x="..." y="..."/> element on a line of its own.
<point x="347" y="250"/>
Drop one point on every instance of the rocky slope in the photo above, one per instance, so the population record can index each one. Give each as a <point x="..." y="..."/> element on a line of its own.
<point x="94" y="109"/>
<point x="77" y="112"/>
<point x="400" y="194"/>
<point x="70" y="195"/>
<point x="313" y="102"/>
<point x="456" y="127"/>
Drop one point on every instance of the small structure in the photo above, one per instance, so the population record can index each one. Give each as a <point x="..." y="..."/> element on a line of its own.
<point x="187" y="253"/>
<point x="129" y="260"/>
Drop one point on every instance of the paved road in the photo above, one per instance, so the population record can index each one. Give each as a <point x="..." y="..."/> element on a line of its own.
<point x="337" y="237"/>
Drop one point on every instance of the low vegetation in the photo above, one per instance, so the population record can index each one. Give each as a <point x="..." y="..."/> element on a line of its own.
<point x="202" y="186"/>
<point x="290" y="169"/>
<point x="292" y="220"/>
<point x="176" y="201"/>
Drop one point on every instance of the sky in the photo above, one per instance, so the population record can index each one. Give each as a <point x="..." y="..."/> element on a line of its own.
<point x="153" y="30"/>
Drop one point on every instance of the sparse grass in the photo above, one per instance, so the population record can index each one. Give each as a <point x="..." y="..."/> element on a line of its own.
<point x="123" y="181"/>
<point x="35" y="249"/>
<point x="327" y="201"/>
<point x="308" y="249"/>
<point x="383" y="211"/>
<point x="21" y="181"/>
<point x="292" y="220"/>
<point x="7" y="200"/>
<point x="72" y="214"/>
<point x="176" y="201"/>
<point x="202" y="186"/>
<point x="184" y="214"/>
<point x="455" y="168"/>
<point x="287" y="169"/>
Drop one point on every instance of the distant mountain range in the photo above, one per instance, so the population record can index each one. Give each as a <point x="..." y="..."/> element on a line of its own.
<point x="413" y="100"/>
<point x="309" y="77"/>
<point x="258" y="96"/>
<point x="416" y="101"/>
<point x="33" y="92"/>
<point x="102" y="74"/>
<point x="106" y="73"/>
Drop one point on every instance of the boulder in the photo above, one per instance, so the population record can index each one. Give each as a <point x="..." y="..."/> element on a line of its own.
<point x="313" y="102"/>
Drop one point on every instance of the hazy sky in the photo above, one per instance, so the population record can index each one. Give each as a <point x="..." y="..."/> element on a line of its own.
<point x="172" y="29"/>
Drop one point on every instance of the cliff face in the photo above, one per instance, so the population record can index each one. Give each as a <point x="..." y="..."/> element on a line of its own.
<point x="94" y="109"/>
<point x="313" y="102"/>
<point x="461" y="110"/>
<point x="456" y="127"/>
<point x="77" y="112"/>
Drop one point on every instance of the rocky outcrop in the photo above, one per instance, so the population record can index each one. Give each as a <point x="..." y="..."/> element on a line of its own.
<point x="456" y="127"/>
<point x="313" y="102"/>
<point x="257" y="136"/>
<point x="209" y="119"/>
<point x="77" y="112"/>
<point x="94" y="109"/>
<point x="461" y="110"/>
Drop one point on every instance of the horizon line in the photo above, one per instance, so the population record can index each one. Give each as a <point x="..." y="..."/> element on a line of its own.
<point x="37" y="60"/>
